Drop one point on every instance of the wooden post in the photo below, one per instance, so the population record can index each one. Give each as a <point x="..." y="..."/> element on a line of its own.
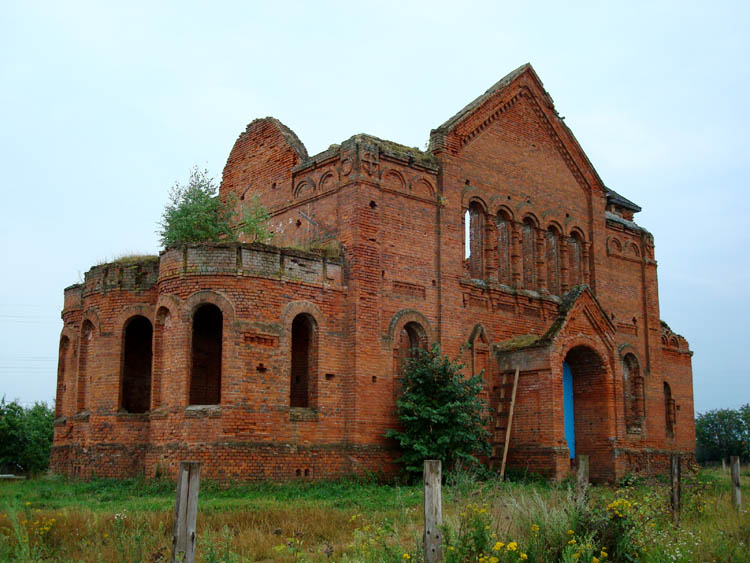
<point x="510" y="422"/>
<point x="734" y="464"/>
<point x="433" y="511"/>
<point x="582" y="477"/>
<point x="186" y="511"/>
<point x="723" y="465"/>
<point x="675" y="464"/>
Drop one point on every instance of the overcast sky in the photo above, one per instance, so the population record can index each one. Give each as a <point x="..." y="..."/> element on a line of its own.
<point x="104" y="105"/>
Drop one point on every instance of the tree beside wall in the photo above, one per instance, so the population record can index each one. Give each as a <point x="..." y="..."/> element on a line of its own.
<point x="25" y="437"/>
<point x="721" y="433"/>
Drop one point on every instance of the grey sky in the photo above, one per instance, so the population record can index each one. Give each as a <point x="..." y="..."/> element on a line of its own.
<point x="104" y="105"/>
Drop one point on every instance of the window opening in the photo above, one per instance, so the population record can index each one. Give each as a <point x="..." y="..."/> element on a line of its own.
<point x="529" y="254"/>
<point x="303" y="361"/>
<point x="205" y="380"/>
<point x="87" y="334"/>
<point x="61" y="367"/>
<point x="503" y="249"/>
<point x="669" y="410"/>
<point x="553" y="261"/>
<point x="136" y="365"/>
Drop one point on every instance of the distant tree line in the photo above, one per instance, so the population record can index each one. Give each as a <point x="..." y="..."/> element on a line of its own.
<point x="25" y="437"/>
<point x="721" y="433"/>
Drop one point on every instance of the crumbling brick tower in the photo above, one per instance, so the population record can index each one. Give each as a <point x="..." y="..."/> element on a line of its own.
<point x="500" y="242"/>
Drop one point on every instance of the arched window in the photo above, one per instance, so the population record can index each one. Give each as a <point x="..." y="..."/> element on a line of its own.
<point x="503" y="248"/>
<point x="136" y="365"/>
<point x="87" y="335"/>
<point x="670" y="413"/>
<point x="474" y="239"/>
<point x="634" y="393"/>
<point x="552" y="258"/>
<point x="205" y="375"/>
<point x="304" y="360"/>
<point x="575" y="260"/>
<point x="62" y="360"/>
<point x="528" y="247"/>
<point x="411" y="338"/>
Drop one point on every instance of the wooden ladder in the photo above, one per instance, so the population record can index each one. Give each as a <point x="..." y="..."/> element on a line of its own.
<point x="503" y="420"/>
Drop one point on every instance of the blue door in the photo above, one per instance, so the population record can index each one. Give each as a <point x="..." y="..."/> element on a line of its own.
<point x="570" y="429"/>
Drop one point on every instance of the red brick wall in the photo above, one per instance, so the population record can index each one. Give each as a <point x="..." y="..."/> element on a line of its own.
<point x="398" y="215"/>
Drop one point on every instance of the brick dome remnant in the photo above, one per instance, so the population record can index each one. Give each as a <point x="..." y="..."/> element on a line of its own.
<point x="501" y="243"/>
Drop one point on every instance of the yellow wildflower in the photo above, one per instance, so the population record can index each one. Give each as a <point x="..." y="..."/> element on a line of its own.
<point x="594" y="560"/>
<point x="572" y="542"/>
<point x="493" y="559"/>
<point x="534" y="528"/>
<point x="512" y="546"/>
<point x="498" y="546"/>
<point x="576" y="555"/>
<point x="524" y="556"/>
<point x="407" y="556"/>
<point x="571" y="532"/>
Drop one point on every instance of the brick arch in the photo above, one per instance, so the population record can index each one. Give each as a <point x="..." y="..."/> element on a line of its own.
<point x="556" y="225"/>
<point x="475" y="198"/>
<point x="576" y="231"/>
<point x="614" y="246"/>
<point x="419" y="185"/>
<point x="214" y="298"/>
<point x="92" y="316"/>
<point x="294" y="308"/>
<point x="131" y="311"/>
<point x="400" y="181"/>
<point x="66" y="376"/>
<point x="470" y="193"/>
<point x="326" y="177"/>
<point x="506" y="211"/>
<point x="405" y="316"/>
<point x="594" y="401"/>
<point x="302" y="324"/>
<point x="529" y="216"/>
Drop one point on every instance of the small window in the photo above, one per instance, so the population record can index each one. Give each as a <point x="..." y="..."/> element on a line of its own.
<point x="136" y="365"/>
<point x="503" y="248"/>
<point x="528" y="246"/>
<point x="62" y="360"/>
<point x="87" y="335"/>
<point x="670" y="413"/>
<point x="302" y="384"/>
<point x="205" y="375"/>
<point x="575" y="260"/>
<point x="475" y="239"/>
<point x="634" y="394"/>
<point x="552" y="257"/>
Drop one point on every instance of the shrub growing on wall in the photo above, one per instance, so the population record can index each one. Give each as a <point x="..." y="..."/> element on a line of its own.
<point x="441" y="412"/>
<point x="196" y="214"/>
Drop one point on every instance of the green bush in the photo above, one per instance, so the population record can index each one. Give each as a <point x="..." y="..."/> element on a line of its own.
<point x="195" y="214"/>
<point x="25" y="437"/>
<point x="441" y="413"/>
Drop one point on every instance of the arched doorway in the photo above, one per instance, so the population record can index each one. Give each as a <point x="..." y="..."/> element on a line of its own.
<point x="588" y="410"/>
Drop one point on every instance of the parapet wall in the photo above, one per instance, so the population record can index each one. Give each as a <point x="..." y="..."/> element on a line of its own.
<point x="251" y="260"/>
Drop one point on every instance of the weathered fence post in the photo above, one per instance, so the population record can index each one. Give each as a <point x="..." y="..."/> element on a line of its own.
<point x="433" y="511"/>
<point x="734" y="463"/>
<point x="582" y="475"/>
<point x="675" y="468"/>
<point x="185" y="512"/>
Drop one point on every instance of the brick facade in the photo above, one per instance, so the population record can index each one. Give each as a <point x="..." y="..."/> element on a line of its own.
<point x="270" y="362"/>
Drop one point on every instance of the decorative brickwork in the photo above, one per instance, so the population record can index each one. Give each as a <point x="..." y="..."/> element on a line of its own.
<point x="266" y="362"/>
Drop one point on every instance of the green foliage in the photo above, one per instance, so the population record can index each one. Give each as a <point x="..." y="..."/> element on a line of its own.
<point x="25" y="437"/>
<point x="441" y="412"/>
<point x="255" y="222"/>
<point x="195" y="214"/>
<point x="721" y="433"/>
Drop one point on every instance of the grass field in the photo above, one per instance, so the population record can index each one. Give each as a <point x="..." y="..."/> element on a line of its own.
<point x="53" y="519"/>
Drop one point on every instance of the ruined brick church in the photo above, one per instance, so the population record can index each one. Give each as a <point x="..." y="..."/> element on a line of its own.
<point x="500" y="242"/>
